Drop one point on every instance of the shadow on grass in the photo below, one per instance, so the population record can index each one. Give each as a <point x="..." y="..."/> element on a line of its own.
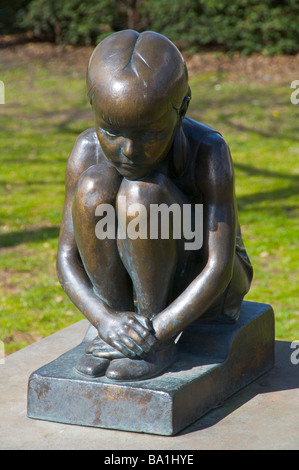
<point x="255" y="200"/>
<point x="276" y="194"/>
<point x="26" y="236"/>
<point x="232" y="104"/>
<point x="253" y="130"/>
<point x="253" y="171"/>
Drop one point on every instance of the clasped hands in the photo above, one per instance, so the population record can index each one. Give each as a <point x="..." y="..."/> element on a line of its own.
<point x="129" y="334"/>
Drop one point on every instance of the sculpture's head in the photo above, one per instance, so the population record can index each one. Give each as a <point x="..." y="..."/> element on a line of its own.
<point x="138" y="88"/>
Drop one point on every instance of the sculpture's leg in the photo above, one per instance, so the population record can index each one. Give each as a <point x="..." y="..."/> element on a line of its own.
<point x="99" y="185"/>
<point x="101" y="260"/>
<point x="237" y="289"/>
<point x="152" y="261"/>
<point x="152" y="265"/>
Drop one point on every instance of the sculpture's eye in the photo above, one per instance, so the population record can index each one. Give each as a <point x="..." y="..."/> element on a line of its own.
<point x="149" y="136"/>
<point x="111" y="133"/>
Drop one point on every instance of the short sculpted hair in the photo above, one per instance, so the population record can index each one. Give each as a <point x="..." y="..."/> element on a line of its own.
<point x="138" y="70"/>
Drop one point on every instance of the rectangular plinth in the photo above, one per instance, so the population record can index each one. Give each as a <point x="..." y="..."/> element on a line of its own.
<point x="214" y="362"/>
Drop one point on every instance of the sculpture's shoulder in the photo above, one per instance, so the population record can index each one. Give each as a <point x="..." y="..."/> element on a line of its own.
<point x="84" y="153"/>
<point x="88" y="137"/>
<point x="209" y="159"/>
<point x="198" y="133"/>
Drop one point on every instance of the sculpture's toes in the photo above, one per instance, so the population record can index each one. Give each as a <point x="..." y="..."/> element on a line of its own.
<point x="96" y="344"/>
<point x="126" y="369"/>
<point x="99" y="348"/>
<point x="92" y="366"/>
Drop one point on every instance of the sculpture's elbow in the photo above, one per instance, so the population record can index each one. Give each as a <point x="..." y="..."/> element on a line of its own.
<point x="63" y="264"/>
<point x="222" y="271"/>
<point x="60" y="269"/>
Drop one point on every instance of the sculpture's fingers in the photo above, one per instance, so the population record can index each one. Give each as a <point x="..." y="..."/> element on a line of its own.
<point x="151" y="340"/>
<point x="145" y="322"/>
<point x="133" y="345"/>
<point x="143" y="337"/>
<point x="124" y="349"/>
<point x="112" y="354"/>
<point x="147" y="343"/>
<point x="143" y="328"/>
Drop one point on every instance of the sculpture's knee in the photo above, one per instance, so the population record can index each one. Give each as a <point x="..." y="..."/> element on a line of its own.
<point x="148" y="191"/>
<point x="95" y="187"/>
<point x="157" y="206"/>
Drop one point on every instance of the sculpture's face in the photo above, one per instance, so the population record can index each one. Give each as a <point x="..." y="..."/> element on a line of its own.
<point x="137" y="84"/>
<point x="136" y="140"/>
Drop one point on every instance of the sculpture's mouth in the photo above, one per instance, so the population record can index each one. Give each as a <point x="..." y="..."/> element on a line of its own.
<point x="135" y="162"/>
<point x="130" y="165"/>
<point x="132" y="170"/>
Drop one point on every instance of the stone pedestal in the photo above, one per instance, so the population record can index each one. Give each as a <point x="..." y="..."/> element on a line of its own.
<point x="214" y="362"/>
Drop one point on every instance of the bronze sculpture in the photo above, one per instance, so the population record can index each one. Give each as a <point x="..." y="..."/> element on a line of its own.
<point x="139" y="294"/>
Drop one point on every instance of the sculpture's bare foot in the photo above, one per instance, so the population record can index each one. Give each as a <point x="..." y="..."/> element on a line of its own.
<point x="92" y="366"/>
<point x="126" y="369"/>
<point x="96" y="359"/>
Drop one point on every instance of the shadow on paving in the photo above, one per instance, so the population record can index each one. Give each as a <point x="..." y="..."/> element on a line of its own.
<point x="283" y="376"/>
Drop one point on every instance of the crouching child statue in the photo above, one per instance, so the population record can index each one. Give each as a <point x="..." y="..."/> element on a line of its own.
<point x="138" y="284"/>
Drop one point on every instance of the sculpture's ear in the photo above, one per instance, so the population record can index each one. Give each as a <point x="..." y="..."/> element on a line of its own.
<point x="185" y="105"/>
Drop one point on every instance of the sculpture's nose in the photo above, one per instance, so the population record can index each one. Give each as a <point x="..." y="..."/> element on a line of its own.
<point x="129" y="150"/>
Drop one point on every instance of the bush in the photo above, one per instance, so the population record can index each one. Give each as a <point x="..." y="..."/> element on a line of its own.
<point x="70" y="21"/>
<point x="232" y="25"/>
<point x="236" y="25"/>
<point x="8" y="12"/>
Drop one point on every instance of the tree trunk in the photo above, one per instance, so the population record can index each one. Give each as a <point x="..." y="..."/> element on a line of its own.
<point x="133" y="15"/>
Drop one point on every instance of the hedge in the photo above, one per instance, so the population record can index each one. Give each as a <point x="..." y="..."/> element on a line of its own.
<point x="267" y="26"/>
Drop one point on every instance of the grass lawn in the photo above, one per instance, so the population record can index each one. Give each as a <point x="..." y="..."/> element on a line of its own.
<point x="46" y="108"/>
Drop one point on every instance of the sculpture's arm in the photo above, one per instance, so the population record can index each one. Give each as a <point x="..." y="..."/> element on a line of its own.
<point x="71" y="273"/>
<point x="216" y="180"/>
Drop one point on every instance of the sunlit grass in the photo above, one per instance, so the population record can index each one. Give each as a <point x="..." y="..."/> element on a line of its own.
<point x="46" y="109"/>
<point x="260" y="124"/>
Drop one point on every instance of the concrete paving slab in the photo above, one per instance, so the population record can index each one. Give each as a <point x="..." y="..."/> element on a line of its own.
<point x="264" y="415"/>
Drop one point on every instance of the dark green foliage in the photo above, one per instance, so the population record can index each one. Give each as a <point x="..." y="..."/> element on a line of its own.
<point x="8" y="10"/>
<point x="236" y="25"/>
<point x="70" y="21"/>
<point x="268" y="26"/>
